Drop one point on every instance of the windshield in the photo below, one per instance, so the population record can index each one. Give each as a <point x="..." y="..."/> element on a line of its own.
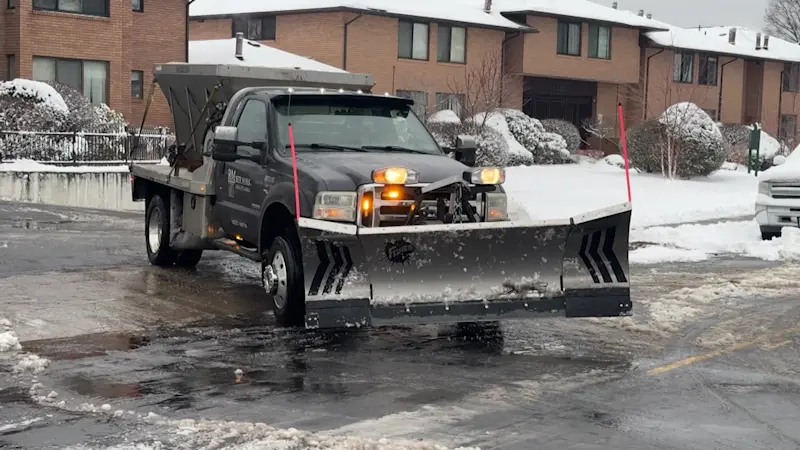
<point x="352" y="123"/>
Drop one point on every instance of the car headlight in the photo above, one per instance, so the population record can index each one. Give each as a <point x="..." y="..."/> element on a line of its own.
<point x="339" y="206"/>
<point x="496" y="207"/>
<point x="395" y="175"/>
<point x="488" y="175"/>
<point x="763" y="188"/>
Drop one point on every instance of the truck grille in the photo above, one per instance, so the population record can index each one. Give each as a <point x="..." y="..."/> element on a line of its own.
<point x="785" y="191"/>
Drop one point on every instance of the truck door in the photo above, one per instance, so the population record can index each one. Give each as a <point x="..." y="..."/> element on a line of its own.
<point x="240" y="183"/>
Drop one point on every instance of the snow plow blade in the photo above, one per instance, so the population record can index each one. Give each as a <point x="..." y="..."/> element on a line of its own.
<point x="467" y="272"/>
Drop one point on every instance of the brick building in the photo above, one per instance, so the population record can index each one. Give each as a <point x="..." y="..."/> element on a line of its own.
<point x="104" y="48"/>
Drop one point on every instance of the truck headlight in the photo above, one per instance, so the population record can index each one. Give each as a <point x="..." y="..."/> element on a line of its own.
<point x="496" y="207"/>
<point x="395" y="175"/>
<point x="488" y="175"/>
<point x="339" y="206"/>
<point x="763" y="188"/>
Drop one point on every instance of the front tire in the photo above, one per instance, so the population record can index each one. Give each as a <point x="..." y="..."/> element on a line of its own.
<point x="281" y="276"/>
<point x="156" y="233"/>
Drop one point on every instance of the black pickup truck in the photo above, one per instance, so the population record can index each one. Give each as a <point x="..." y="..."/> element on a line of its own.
<point x="356" y="214"/>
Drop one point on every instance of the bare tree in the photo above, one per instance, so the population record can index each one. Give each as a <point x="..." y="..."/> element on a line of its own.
<point x="484" y="88"/>
<point x="783" y="19"/>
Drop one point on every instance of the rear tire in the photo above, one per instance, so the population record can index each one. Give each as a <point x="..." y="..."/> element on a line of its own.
<point x="188" y="259"/>
<point x="281" y="273"/>
<point x="156" y="233"/>
<point x="769" y="235"/>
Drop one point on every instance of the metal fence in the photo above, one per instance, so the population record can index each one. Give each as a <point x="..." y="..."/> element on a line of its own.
<point x="85" y="147"/>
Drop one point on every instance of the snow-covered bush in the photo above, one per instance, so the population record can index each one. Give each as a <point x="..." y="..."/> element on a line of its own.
<point x="444" y="116"/>
<point x="694" y="144"/>
<point x="552" y="149"/>
<point x="646" y="142"/>
<point x="615" y="160"/>
<point x="737" y="141"/>
<point x="566" y="130"/>
<point x="525" y="129"/>
<point x="85" y="116"/>
<point x="27" y="105"/>
<point x="494" y="149"/>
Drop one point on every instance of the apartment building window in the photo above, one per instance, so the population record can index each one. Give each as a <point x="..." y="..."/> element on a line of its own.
<point x="137" y="5"/>
<point x="11" y="61"/>
<point x="453" y="102"/>
<point x="599" y="41"/>
<point x="452" y="44"/>
<point x="255" y="28"/>
<point x="683" y="70"/>
<point x="788" y="128"/>
<point x="707" y="73"/>
<point x="137" y="84"/>
<point x="412" y="40"/>
<point x="88" y="7"/>
<point x="420" y="101"/>
<point x="711" y="113"/>
<point x="569" y="38"/>
<point x="791" y="77"/>
<point x="11" y="4"/>
<point x="89" y="77"/>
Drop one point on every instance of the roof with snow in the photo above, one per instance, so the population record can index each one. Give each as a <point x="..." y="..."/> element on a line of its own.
<point x="223" y="51"/>
<point x="469" y="12"/>
<point x="715" y="40"/>
<point x="579" y="9"/>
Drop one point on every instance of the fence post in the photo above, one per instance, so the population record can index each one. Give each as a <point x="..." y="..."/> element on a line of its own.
<point x="74" y="149"/>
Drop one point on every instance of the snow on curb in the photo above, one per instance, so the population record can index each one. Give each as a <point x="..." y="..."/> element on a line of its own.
<point x="11" y="352"/>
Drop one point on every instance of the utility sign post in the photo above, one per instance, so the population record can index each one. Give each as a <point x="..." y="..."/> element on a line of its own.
<point x="754" y="149"/>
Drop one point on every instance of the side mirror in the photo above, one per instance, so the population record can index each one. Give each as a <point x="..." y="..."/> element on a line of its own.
<point x="225" y="143"/>
<point x="466" y="150"/>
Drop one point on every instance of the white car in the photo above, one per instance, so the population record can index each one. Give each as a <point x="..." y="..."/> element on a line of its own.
<point x="778" y="199"/>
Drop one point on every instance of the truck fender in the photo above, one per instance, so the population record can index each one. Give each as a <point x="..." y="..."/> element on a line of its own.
<point x="283" y="194"/>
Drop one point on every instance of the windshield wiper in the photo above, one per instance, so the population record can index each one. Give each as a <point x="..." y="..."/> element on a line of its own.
<point x="322" y="146"/>
<point x="393" y="148"/>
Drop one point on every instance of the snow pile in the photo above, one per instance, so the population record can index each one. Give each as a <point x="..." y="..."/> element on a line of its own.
<point x="28" y="165"/>
<point x="698" y="242"/>
<point x="8" y="339"/>
<point x="787" y="171"/>
<point x="562" y="191"/>
<point x="498" y="122"/>
<point x="37" y="91"/>
<point x="444" y="116"/>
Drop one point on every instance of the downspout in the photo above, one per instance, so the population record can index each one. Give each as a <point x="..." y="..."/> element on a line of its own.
<point x="186" y="44"/>
<point x="647" y="82"/>
<point x="721" y="78"/>
<point x="503" y="63"/>
<point x="344" y="46"/>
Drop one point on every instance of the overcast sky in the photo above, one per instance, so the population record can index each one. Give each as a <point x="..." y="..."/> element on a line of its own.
<point x="691" y="13"/>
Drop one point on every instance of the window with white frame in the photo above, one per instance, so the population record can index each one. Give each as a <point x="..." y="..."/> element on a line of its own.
<point x="88" y="77"/>
<point x="420" y="106"/>
<point x="453" y="102"/>
<point x="412" y="40"/>
<point x="683" y="67"/>
<point x="88" y="7"/>
<point x="451" y="44"/>
<point x="599" y="41"/>
<point x="137" y="84"/>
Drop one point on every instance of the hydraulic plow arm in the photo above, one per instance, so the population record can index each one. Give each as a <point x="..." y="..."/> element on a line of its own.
<point x="470" y="271"/>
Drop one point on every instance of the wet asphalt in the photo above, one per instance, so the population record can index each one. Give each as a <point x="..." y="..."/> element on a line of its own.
<point x="78" y="289"/>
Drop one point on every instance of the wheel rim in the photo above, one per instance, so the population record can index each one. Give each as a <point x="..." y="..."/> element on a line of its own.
<point x="279" y="268"/>
<point x="154" y="230"/>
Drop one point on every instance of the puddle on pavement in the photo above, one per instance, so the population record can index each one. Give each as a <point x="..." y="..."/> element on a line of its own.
<point x="86" y="346"/>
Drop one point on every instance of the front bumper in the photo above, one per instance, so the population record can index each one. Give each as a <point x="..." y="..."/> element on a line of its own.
<point x="777" y="213"/>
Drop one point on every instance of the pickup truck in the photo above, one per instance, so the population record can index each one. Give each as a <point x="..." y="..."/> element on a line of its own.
<point x="354" y="212"/>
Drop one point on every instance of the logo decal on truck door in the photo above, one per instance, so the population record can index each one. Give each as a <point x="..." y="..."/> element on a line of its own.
<point x="590" y="254"/>
<point x="328" y="252"/>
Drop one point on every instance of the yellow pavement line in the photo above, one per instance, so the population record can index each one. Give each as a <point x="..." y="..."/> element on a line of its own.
<point x="742" y="345"/>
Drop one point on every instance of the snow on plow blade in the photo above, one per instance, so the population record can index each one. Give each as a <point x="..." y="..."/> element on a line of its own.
<point x="472" y="271"/>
